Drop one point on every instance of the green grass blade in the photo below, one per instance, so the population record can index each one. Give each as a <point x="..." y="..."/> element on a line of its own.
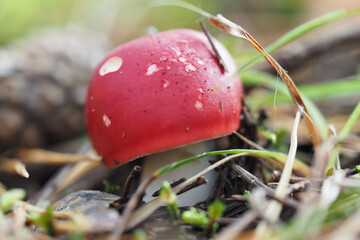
<point x="350" y="123"/>
<point x="256" y="78"/>
<point x="346" y="130"/>
<point x="299" y="166"/>
<point x="179" y="3"/>
<point x="300" y="31"/>
<point x="314" y="91"/>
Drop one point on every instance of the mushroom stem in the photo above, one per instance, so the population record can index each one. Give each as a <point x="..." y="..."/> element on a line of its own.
<point x="155" y="161"/>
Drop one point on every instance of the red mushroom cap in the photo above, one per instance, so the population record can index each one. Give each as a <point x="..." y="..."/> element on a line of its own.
<point x="159" y="92"/>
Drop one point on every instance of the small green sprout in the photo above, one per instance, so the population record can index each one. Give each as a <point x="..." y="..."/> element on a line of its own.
<point x="199" y="219"/>
<point x="76" y="235"/>
<point x="112" y="189"/>
<point x="247" y="194"/>
<point x="169" y="198"/>
<point x="9" y="198"/>
<point x="357" y="167"/>
<point x="45" y="220"/>
<point x="195" y="217"/>
<point x="269" y="135"/>
<point x="216" y="210"/>
<point x="139" y="234"/>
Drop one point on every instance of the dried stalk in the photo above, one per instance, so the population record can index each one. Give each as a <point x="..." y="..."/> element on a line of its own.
<point x="198" y="182"/>
<point x="13" y="166"/>
<point x="249" y="142"/>
<point x="237" y="227"/>
<point x="231" y="28"/>
<point x="77" y="171"/>
<point x="218" y="56"/>
<point x="174" y="184"/>
<point x="274" y="208"/>
<point x="43" y="156"/>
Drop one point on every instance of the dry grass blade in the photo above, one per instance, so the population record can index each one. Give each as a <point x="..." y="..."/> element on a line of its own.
<point x="233" y="29"/>
<point x="322" y="157"/>
<point x="351" y="144"/>
<point x="273" y="210"/>
<point x="249" y="142"/>
<point x="43" y="156"/>
<point x="14" y="166"/>
<point x="281" y="190"/>
<point x="237" y="227"/>
<point x="76" y="172"/>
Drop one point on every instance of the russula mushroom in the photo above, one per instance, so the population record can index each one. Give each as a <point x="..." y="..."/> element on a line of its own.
<point x="160" y="92"/>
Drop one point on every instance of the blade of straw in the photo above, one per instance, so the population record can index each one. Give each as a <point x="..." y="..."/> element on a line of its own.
<point x="233" y="29"/>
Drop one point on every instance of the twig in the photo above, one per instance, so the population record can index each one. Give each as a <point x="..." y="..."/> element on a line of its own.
<point x="235" y="208"/>
<point x="174" y="184"/>
<point x="249" y="142"/>
<point x="214" y="189"/>
<point x="293" y="179"/>
<point x="298" y="187"/>
<point x="218" y="56"/>
<point x="352" y="172"/>
<point x="135" y="172"/>
<point x="198" y="182"/>
<point x="255" y="182"/>
<point x="248" y="177"/>
<point x="225" y="221"/>
<point x="145" y="210"/>
<point x="236" y="197"/>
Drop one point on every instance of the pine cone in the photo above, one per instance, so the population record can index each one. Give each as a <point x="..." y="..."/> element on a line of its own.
<point x="43" y="83"/>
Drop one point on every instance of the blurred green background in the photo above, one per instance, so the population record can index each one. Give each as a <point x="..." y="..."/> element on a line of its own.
<point x="122" y="20"/>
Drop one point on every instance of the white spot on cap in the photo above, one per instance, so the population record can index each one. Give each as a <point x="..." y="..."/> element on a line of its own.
<point x="152" y="68"/>
<point x="111" y="65"/>
<point x="201" y="62"/>
<point x="176" y="50"/>
<point x="166" y="84"/>
<point x="182" y="41"/>
<point x="200" y="96"/>
<point x="106" y="120"/>
<point x="182" y="59"/>
<point x="198" y="105"/>
<point x="189" y="67"/>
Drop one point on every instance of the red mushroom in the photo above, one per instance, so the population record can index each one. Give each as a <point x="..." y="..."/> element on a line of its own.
<point x="160" y="92"/>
